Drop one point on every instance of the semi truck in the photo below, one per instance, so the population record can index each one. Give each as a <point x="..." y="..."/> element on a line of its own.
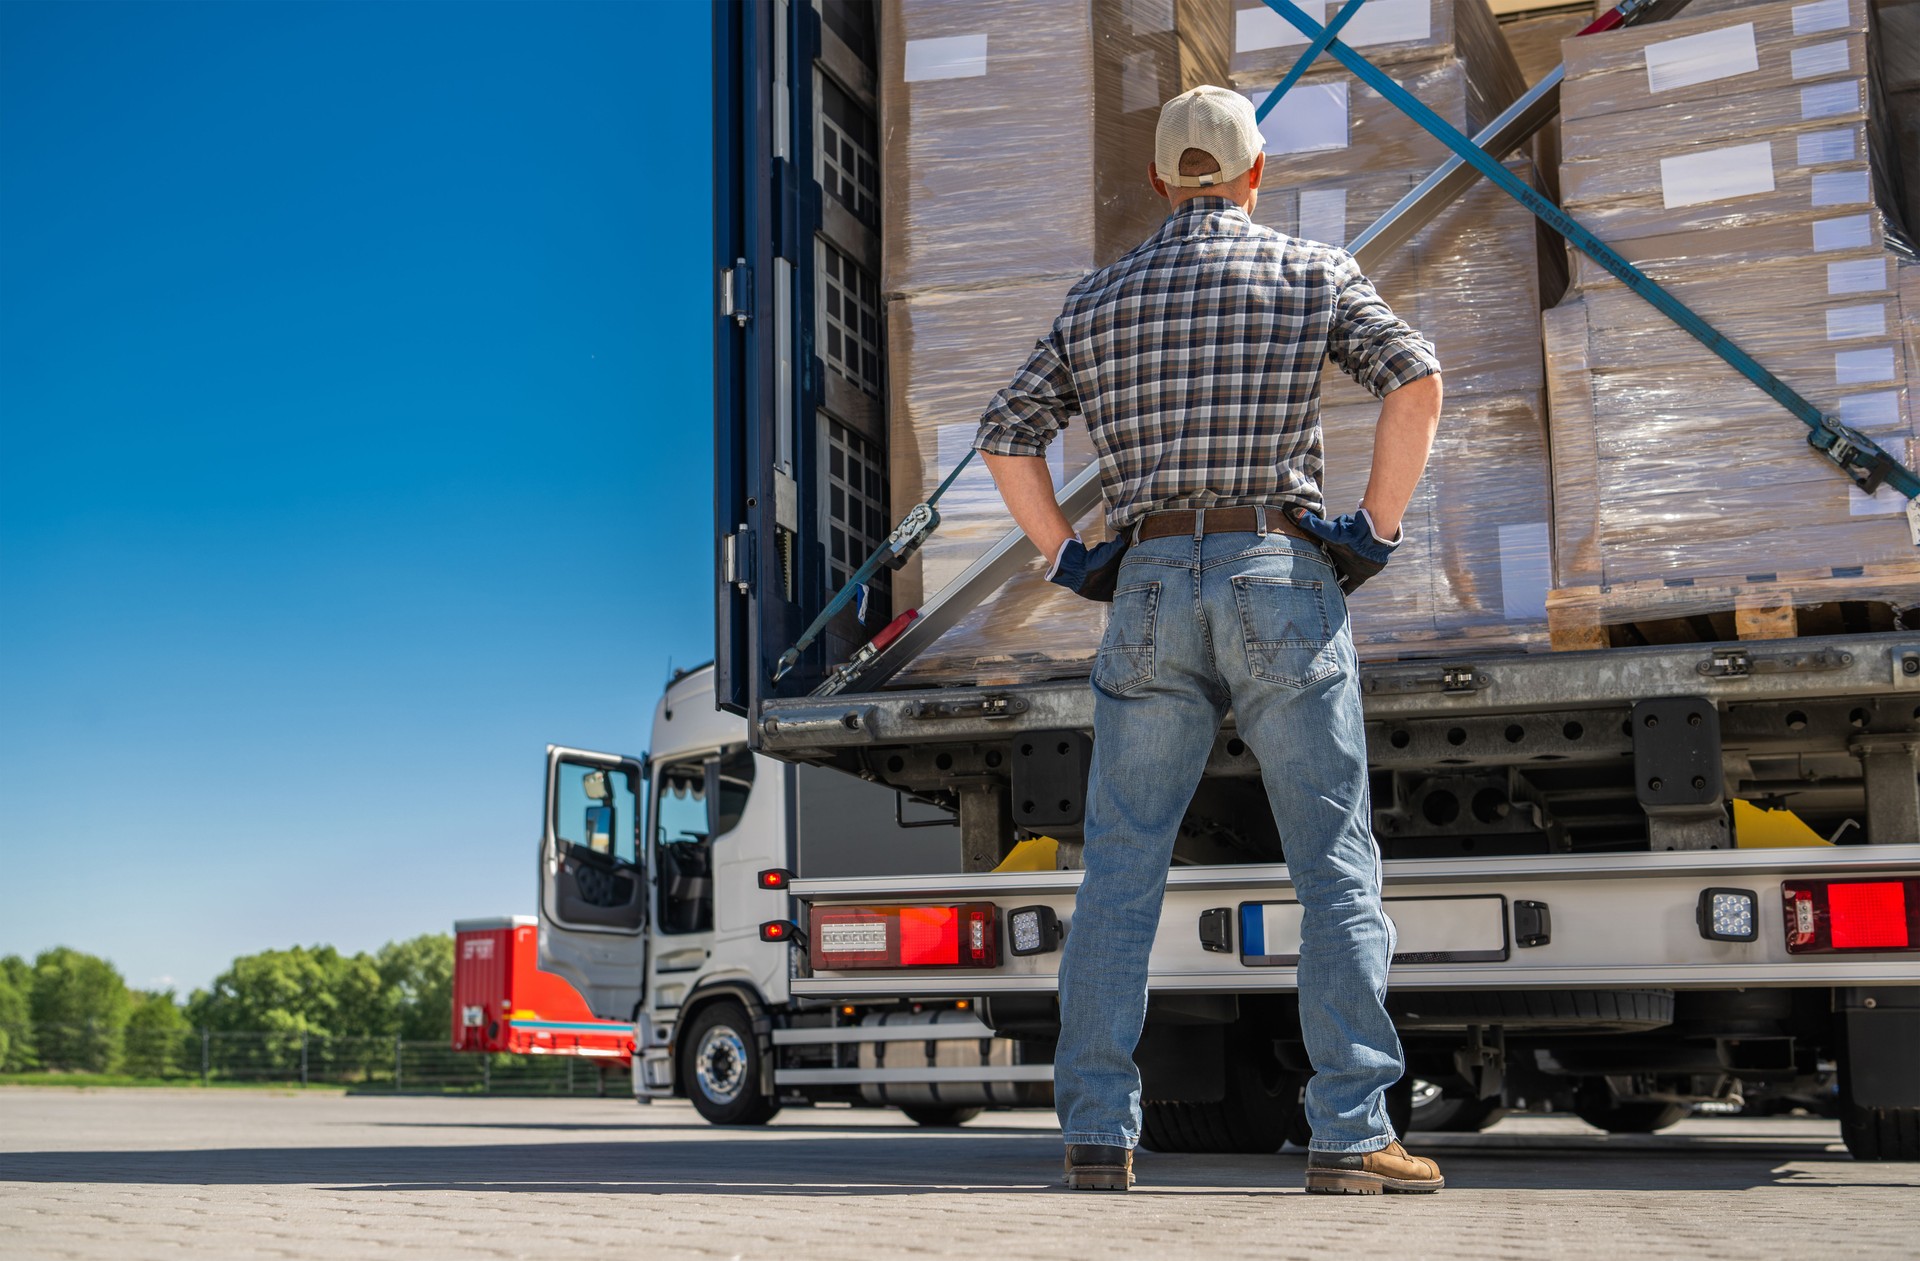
<point x="1627" y="880"/>
<point x="646" y="944"/>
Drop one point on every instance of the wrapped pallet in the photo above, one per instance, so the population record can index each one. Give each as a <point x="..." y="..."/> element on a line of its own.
<point x="1475" y="565"/>
<point x="1757" y="190"/>
<point x="1016" y="134"/>
<point x="1016" y="140"/>
<point x="1476" y="562"/>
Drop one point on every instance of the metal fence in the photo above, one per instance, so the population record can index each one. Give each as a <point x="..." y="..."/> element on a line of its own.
<point x="384" y="1064"/>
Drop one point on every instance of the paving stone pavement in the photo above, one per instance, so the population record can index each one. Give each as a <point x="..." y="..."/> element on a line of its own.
<point x="184" y="1173"/>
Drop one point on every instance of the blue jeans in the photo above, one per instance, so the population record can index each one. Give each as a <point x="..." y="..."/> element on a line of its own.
<point x="1198" y="624"/>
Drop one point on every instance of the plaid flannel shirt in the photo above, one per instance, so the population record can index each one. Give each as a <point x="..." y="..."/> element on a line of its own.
<point x="1195" y="360"/>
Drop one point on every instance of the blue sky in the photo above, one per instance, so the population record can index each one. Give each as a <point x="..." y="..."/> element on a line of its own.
<point x="354" y="444"/>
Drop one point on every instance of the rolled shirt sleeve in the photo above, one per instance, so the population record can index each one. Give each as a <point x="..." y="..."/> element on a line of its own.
<point x="1369" y="342"/>
<point x="1024" y="417"/>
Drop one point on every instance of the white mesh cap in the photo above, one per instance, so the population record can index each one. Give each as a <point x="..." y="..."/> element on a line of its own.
<point x="1214" y="119"/>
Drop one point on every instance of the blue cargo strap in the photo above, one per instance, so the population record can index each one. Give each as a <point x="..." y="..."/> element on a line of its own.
<point x="1858" y="456"/>
<point x="920" y="521"/>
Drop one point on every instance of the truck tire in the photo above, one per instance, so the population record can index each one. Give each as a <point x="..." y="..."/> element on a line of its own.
<point x="1881" y="1133"/>
<point x="720" y="1064"/>
<point x="1879" y="1054"/>
<point x="1596" y="1105"/>
<point x="940" y="1118"/>
<point x="1253" y="1117"/>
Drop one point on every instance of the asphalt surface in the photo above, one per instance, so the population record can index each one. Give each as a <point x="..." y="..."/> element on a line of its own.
<point x="151" y="1173"/>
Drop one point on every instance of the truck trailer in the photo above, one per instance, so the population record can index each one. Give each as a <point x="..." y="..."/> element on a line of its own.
<point x="1628" y="878"/>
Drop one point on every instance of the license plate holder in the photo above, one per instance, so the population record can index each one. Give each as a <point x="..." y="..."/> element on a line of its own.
<point x="1464" y="928"/>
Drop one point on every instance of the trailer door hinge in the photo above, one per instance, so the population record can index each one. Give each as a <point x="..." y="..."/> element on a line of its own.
<point x="736" y="558"/>
<point x="736" y="292"/>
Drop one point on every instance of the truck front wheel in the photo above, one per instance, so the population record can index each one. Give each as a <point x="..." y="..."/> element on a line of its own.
<point x="721" y="1067"/>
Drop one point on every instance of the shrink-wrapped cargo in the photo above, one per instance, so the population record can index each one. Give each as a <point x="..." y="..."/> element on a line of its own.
<point x="1016" y="134"/>
<point x="1448" y="53"/>
<point x="1476" y="564"/>
<point x="951" y="350"/>
<point x="1388" y="32"/>
<point x="1016" y="140"/>
<point x="1470" y="281"/>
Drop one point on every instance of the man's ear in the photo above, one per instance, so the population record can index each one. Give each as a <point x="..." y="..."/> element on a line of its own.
<point x="1255" y="171"/>
<point x="1153" y="178"/>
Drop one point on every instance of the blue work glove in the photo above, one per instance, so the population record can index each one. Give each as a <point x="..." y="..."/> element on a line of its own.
<point x="1089" y="571"/>
<point x="1357" y="550"/>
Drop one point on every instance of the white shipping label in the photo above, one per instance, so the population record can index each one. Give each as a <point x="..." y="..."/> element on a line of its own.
<point x="1863" y="367"/>
<point x="1702" y="58"/>
<point x="1526" y="570"/>
<point x="1818" y="148"/>
<point x="1883" y="501"/>
<point x="947" y="57"/>
<point x="1860" y="275"/>
<point x="1828" y="100"/>
<point x="1841" y="188"/>
<point x="1716" y="174"/>
<point x="1386" y="22"/>
<point x="1323" y="215"/>
<point x="1856" y="321"/>
<point x="1310" y="117"/>
<point x="1823" y="15"/>
<point x="1853" y="232"/>
<point x="1817" y="61"/>
<point x="1260" y="27"/>
<point x="1878" y="410"/>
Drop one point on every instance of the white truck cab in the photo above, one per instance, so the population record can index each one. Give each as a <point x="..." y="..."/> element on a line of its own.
<point x="651" y="906"/>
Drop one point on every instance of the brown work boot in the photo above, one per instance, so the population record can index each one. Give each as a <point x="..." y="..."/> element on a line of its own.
<point x="1370" y="1173"/>
<point x="1095" y="1167"/>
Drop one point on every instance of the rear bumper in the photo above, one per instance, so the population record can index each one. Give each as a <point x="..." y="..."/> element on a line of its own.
<point x="1617" y="920"/>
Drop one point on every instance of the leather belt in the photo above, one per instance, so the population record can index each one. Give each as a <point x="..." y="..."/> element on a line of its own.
<point x="1243" y="520"/>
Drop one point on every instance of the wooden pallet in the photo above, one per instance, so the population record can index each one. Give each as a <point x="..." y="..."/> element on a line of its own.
<point x="1837" y="600"/>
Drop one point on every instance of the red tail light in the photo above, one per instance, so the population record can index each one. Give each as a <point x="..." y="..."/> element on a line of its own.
<point x="963" y="936"/>
<point x="1824" y="916"/>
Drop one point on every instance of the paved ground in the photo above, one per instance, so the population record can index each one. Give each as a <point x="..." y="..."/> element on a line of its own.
<point x="153" y="1174"/>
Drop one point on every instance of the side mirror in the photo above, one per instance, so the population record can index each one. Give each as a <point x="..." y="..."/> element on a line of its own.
<point x="599" y="828"/>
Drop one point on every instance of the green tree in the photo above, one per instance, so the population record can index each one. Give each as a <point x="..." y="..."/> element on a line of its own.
<point x="16" y="1036"/>
<point x="418" y="975"/>
<point x="79" y="1007"/>
<point x="157" y="1036"/>
<point x="305" y="989"/>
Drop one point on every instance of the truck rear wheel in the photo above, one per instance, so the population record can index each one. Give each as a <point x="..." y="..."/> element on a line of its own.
<point x="940" y="1118"/>
<point x="720" y="1065"/>
<point x="1254" y="1116"/>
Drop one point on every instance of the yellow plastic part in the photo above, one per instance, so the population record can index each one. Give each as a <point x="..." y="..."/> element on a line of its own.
<point x="1754" y="828"/>
<point x="1042" y="853"/>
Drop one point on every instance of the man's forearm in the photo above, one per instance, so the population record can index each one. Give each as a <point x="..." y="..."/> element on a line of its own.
<point x="1409" y="416"/>
<point x="1027" y="487"/>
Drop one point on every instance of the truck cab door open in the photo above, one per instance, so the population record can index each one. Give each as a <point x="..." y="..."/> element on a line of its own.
<point x="593" y="888"/>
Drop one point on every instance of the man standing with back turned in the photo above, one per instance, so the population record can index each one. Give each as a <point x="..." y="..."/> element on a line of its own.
<point x="1195" y="361"/>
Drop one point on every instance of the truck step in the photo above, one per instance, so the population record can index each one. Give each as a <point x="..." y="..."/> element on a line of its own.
<point x="1832" y="600"/>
